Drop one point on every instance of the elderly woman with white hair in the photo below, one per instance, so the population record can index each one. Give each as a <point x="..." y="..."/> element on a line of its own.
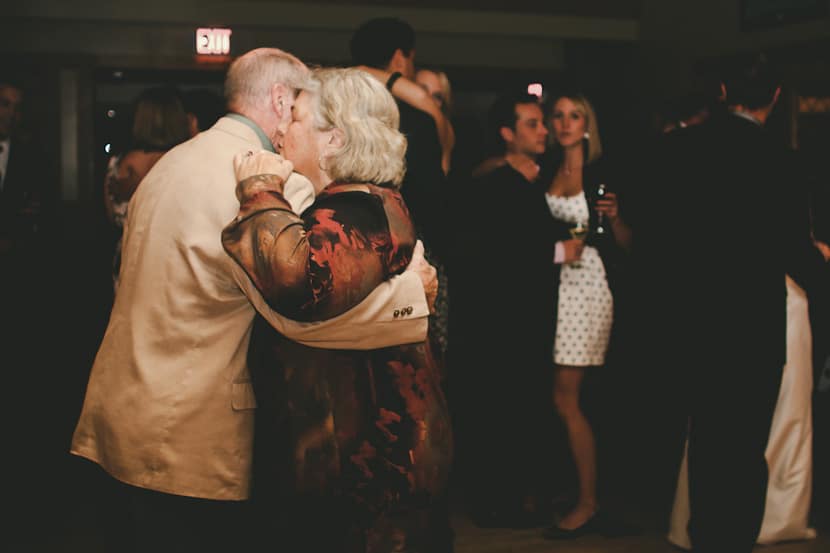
<point x="367" y="436"/>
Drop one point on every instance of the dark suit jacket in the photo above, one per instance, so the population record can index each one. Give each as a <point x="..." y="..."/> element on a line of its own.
<point x="505" y="282"/>
<point x="27" y="180"/>
<point x="502" y="328"/>
<point x="718" y="235"/>
<point x="423" y="187"/>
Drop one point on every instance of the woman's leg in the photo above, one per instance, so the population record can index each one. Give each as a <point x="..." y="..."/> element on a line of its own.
<point x="566" y="389"/>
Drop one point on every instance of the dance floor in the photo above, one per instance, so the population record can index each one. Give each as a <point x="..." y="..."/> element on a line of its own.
<point x="470" y="539"/>
<point x="76" y="535"/>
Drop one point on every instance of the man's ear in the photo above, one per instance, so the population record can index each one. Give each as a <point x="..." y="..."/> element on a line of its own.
<point x="281" y="97"/>
<point x="507" y="134"/>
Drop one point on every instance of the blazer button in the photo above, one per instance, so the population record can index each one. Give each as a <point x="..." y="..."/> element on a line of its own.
<point x="397" y="313"/>
<point x="409" y="310"/>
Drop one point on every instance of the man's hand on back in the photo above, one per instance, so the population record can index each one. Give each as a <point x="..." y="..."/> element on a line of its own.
<point x="428" y="274"/>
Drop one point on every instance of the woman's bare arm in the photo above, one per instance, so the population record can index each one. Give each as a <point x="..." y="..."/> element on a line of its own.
<point x="413" y="94"/>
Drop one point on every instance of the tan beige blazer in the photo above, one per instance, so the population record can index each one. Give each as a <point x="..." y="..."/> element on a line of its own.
<point x="169" y="404"/>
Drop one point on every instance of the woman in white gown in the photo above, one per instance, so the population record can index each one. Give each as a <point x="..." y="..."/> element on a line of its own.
<point x="789" y="449"/>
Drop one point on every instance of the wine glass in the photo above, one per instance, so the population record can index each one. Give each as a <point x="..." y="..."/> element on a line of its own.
<point x="578" y="231"/>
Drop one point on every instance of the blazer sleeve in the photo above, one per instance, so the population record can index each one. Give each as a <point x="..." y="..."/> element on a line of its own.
<point x="371" y="324"/>
<point x="326" y="270"/>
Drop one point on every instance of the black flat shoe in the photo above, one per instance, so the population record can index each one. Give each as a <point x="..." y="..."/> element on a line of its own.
<point x="555" y="532"/>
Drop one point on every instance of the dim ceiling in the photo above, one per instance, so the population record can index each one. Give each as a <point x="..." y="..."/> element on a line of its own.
<point x="613" y="9"/>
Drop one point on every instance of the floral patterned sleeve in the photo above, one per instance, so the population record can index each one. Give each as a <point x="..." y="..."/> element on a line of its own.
<point x="318" y="266"/>
<point x="117" y="208"/>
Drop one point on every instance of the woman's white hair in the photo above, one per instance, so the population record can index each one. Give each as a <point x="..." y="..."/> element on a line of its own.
<point x="251" y="76"/>
<point x="364" y="111"/>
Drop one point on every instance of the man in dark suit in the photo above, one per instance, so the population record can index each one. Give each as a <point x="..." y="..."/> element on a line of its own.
<point x="17" y="203"/>
<point x="500" y="392"/>
<point x="720" y="235"/>
<point x="22" y="179"/>
<point x="26" y="295"/>
<point x="389" y="44"/>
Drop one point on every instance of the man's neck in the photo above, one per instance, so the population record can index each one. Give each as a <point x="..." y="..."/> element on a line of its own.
<point x="520" y="157"/>
<point x="266" y="133"/>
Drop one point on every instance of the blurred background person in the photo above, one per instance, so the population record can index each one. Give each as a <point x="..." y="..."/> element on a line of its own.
<point x="29" y="248"/>
<point x="25" y="175"/>
<point x="579" y="194"/>
<point x="424" y="98"/>
<point x="720" y="306"/>
<point x="437" y="85"/>
<point x="385" y="48"/>
<point x="789" y="450"/>
<point x="159" y="123"/>
<point x="501" y="346"/>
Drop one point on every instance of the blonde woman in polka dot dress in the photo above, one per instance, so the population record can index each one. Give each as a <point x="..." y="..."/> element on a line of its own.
<point x="585" y="303"/>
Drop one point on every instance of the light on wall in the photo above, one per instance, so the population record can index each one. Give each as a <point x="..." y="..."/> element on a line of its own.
<point x="213" y="41"/>
<point x="813" y="104"/>
<point x="535" y="89"/>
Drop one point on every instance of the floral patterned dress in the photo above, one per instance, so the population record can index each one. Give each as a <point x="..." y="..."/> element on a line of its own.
<point x="365" y="437"/>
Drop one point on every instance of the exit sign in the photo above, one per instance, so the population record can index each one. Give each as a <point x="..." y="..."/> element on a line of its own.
<point x="213" y="41"/>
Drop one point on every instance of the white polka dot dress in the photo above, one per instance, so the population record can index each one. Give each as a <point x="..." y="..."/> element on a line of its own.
<point x="586" y="307"/>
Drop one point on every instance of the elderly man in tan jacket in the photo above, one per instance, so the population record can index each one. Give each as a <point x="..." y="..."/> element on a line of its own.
<point x="169" y="406"/>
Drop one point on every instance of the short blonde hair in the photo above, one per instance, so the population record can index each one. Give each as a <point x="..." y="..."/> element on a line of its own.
<point x="444" y="84"/>
<point x="591" y="127"/>
<point x="367" y="115"/>
<point x="251" y="76"/>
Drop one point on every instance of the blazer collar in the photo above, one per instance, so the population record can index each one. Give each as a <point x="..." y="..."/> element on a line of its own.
<point x="239" y="125"/>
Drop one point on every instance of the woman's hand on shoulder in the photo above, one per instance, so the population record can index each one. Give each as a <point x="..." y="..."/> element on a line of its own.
<point x="426" y="272"/>
<point x="488" y="166"/>
<point x="271" y="171"/>
<point x="249" y="163"/>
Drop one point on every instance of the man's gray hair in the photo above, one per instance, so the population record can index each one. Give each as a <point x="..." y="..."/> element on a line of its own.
<point x="251" y="76"/>
<point x="361" y="107"/>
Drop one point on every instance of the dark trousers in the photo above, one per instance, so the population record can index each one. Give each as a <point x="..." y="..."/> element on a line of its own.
<point x="731" y="406"/>
<point x="504" y="420"/>
<point x="135" y="520"/>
